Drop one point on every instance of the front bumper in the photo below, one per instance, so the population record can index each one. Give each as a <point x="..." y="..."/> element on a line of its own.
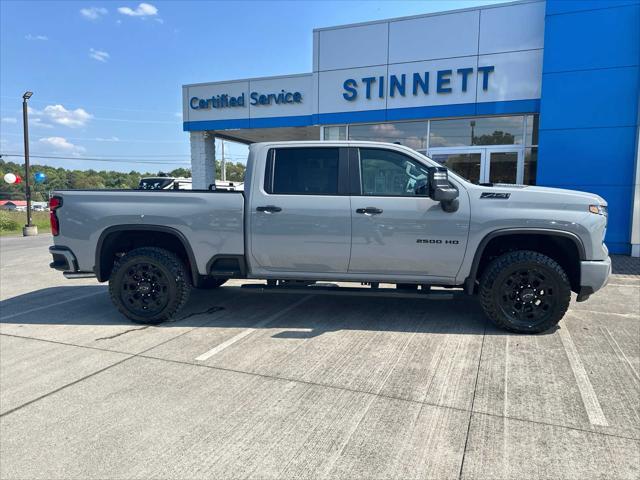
<point x="594" y="275"/>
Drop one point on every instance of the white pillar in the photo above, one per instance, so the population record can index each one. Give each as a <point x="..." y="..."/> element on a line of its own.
<point x="203" y="159"/>
<point x="635" y="219"/>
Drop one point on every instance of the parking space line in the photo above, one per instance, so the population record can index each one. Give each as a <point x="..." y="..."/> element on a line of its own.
<point x="250" y="330"/>
<point x="31" y="310"/>
<point x="589" y="398"/>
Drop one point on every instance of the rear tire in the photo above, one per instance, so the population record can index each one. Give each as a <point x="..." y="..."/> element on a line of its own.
<point x="149" y="285"/>
<point x="525" y="292"/>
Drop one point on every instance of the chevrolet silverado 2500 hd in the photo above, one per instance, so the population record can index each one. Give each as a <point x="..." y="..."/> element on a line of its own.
<point x="342" y="211"/>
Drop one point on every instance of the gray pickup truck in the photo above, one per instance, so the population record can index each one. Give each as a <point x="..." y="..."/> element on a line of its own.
<point x="340" y="211"/>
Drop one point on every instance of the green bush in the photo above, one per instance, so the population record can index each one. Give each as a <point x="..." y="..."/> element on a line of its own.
<point x="7" y="223"/>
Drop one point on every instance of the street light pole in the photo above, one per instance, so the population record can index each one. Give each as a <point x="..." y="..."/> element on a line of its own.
<point x="29" y="229"/>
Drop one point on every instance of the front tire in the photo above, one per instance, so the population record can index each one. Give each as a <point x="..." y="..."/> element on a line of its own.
<point x="149" y="285"/>
<point x="525" y="292"/>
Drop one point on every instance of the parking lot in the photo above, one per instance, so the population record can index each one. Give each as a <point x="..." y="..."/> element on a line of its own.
<point x="256" y="385"/>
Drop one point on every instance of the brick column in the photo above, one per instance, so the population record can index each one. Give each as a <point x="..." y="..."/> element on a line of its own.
<point x="203" y="156"/>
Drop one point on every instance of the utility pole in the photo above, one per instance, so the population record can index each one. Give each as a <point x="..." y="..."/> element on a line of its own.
<point x="29" y="229"/>
<point x="223" y="164"/>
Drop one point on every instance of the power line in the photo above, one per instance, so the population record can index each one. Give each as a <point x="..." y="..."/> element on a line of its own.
<point x="44" y="100"/>
<point x="108" y="140"/>
<point x="89" y="159"/>
<point x="148" y="155"/>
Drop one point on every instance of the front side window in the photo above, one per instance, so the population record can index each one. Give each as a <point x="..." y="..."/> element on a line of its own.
<point x="389" y="173"/>
<point x="305" y="171"/>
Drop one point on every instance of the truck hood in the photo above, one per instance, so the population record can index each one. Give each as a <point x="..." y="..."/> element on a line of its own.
<point x="559" y="194"/>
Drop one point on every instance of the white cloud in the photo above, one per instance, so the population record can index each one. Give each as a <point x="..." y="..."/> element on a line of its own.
<point x="9" y="120"/>
<point x="110" y="139"/>
<point x="142" y="10"/>
<point x="99" y="55"/>
<point x="61" y="144"/>
<point x="60" y="115"/>
<point x="93" y="13"/>
<point x="43" y="38"/>
<point x="38" y="123"/>
<point x="70" y="118"/>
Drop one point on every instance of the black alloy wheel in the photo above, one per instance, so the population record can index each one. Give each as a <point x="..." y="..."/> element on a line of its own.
<point x="149" y="285"/>
<point x="527" y="295"/>
<point x="525" y="291"/>
<point x="145" y="289"/>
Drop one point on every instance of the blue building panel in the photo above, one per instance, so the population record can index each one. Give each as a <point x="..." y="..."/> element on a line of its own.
<point x="593" y="39"/>
<point x="589" y="105"/>
<point x="590" y="98"/>
<point x="558" y="7"/>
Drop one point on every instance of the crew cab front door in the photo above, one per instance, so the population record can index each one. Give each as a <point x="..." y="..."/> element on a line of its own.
<point x="394" y="230"/>
<point x="300" y="214"/>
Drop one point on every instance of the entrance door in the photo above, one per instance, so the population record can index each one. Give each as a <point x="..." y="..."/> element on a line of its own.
<point x="465" y="162"/>
<point x="503" y="165"/>
<point x="483" y="164"/>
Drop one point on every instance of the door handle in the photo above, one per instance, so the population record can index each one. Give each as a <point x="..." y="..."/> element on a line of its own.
<point x="269" y="209"/>
<point x="369" y="210"/>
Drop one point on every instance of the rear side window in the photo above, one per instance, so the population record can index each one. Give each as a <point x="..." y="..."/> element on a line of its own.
<point x="305" y="171"/>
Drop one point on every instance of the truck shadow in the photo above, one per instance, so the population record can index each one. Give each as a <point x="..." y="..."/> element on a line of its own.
<point x="234" y="307"/>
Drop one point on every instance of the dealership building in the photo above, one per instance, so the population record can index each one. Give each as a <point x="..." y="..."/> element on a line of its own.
<point x="530" y="92"/>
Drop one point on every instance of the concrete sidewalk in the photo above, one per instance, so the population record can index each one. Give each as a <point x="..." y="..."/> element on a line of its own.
<point x="306" y="386"/>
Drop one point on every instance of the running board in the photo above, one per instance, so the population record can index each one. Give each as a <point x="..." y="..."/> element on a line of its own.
<point x="364" y="292"/>
<point x="74" y="275"/>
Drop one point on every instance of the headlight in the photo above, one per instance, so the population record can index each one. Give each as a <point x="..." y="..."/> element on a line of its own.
<point x="598" y="209"/>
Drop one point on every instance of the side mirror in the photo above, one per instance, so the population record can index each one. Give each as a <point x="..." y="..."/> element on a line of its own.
<point x="441" y="190"/>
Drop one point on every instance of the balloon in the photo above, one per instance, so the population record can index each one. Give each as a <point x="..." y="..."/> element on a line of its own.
<point x="10" y="178"/>
<point x="39" y="177"/>
<point x="18" y="179"/>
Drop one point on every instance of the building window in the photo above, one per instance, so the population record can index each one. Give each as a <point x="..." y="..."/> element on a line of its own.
<point x="335" y="133"/>
<point x="305" y="171"/>
<point x="477" y="131"/>
<point x="410" y="134"/>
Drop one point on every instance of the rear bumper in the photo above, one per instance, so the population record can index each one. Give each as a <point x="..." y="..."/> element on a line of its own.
<point x="594" y="275"/>
<point x="65" y="261"/>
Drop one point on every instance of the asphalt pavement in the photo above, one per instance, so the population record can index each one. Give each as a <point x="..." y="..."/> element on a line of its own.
<point x="252" y="385"/>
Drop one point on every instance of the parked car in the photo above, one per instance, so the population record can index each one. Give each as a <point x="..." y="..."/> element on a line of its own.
<point x="181" y="183"/>
<point x="342" y="211"/>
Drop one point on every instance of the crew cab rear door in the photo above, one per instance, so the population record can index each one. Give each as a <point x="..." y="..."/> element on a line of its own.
<point x="395" y="231"/>
<point x="300" y="212"/>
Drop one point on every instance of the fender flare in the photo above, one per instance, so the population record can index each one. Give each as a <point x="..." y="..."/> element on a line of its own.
<point x="470" y="281"/>
<point x="151" y="228"/>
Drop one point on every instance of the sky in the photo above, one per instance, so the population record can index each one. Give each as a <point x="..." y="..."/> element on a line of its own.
<point x="107" y="76"/>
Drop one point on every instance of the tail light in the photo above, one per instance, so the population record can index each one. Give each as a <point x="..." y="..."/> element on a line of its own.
<point x="54" y="204"/>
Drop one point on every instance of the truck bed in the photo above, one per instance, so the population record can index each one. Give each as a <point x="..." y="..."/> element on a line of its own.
<point x="211" y="222"/>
